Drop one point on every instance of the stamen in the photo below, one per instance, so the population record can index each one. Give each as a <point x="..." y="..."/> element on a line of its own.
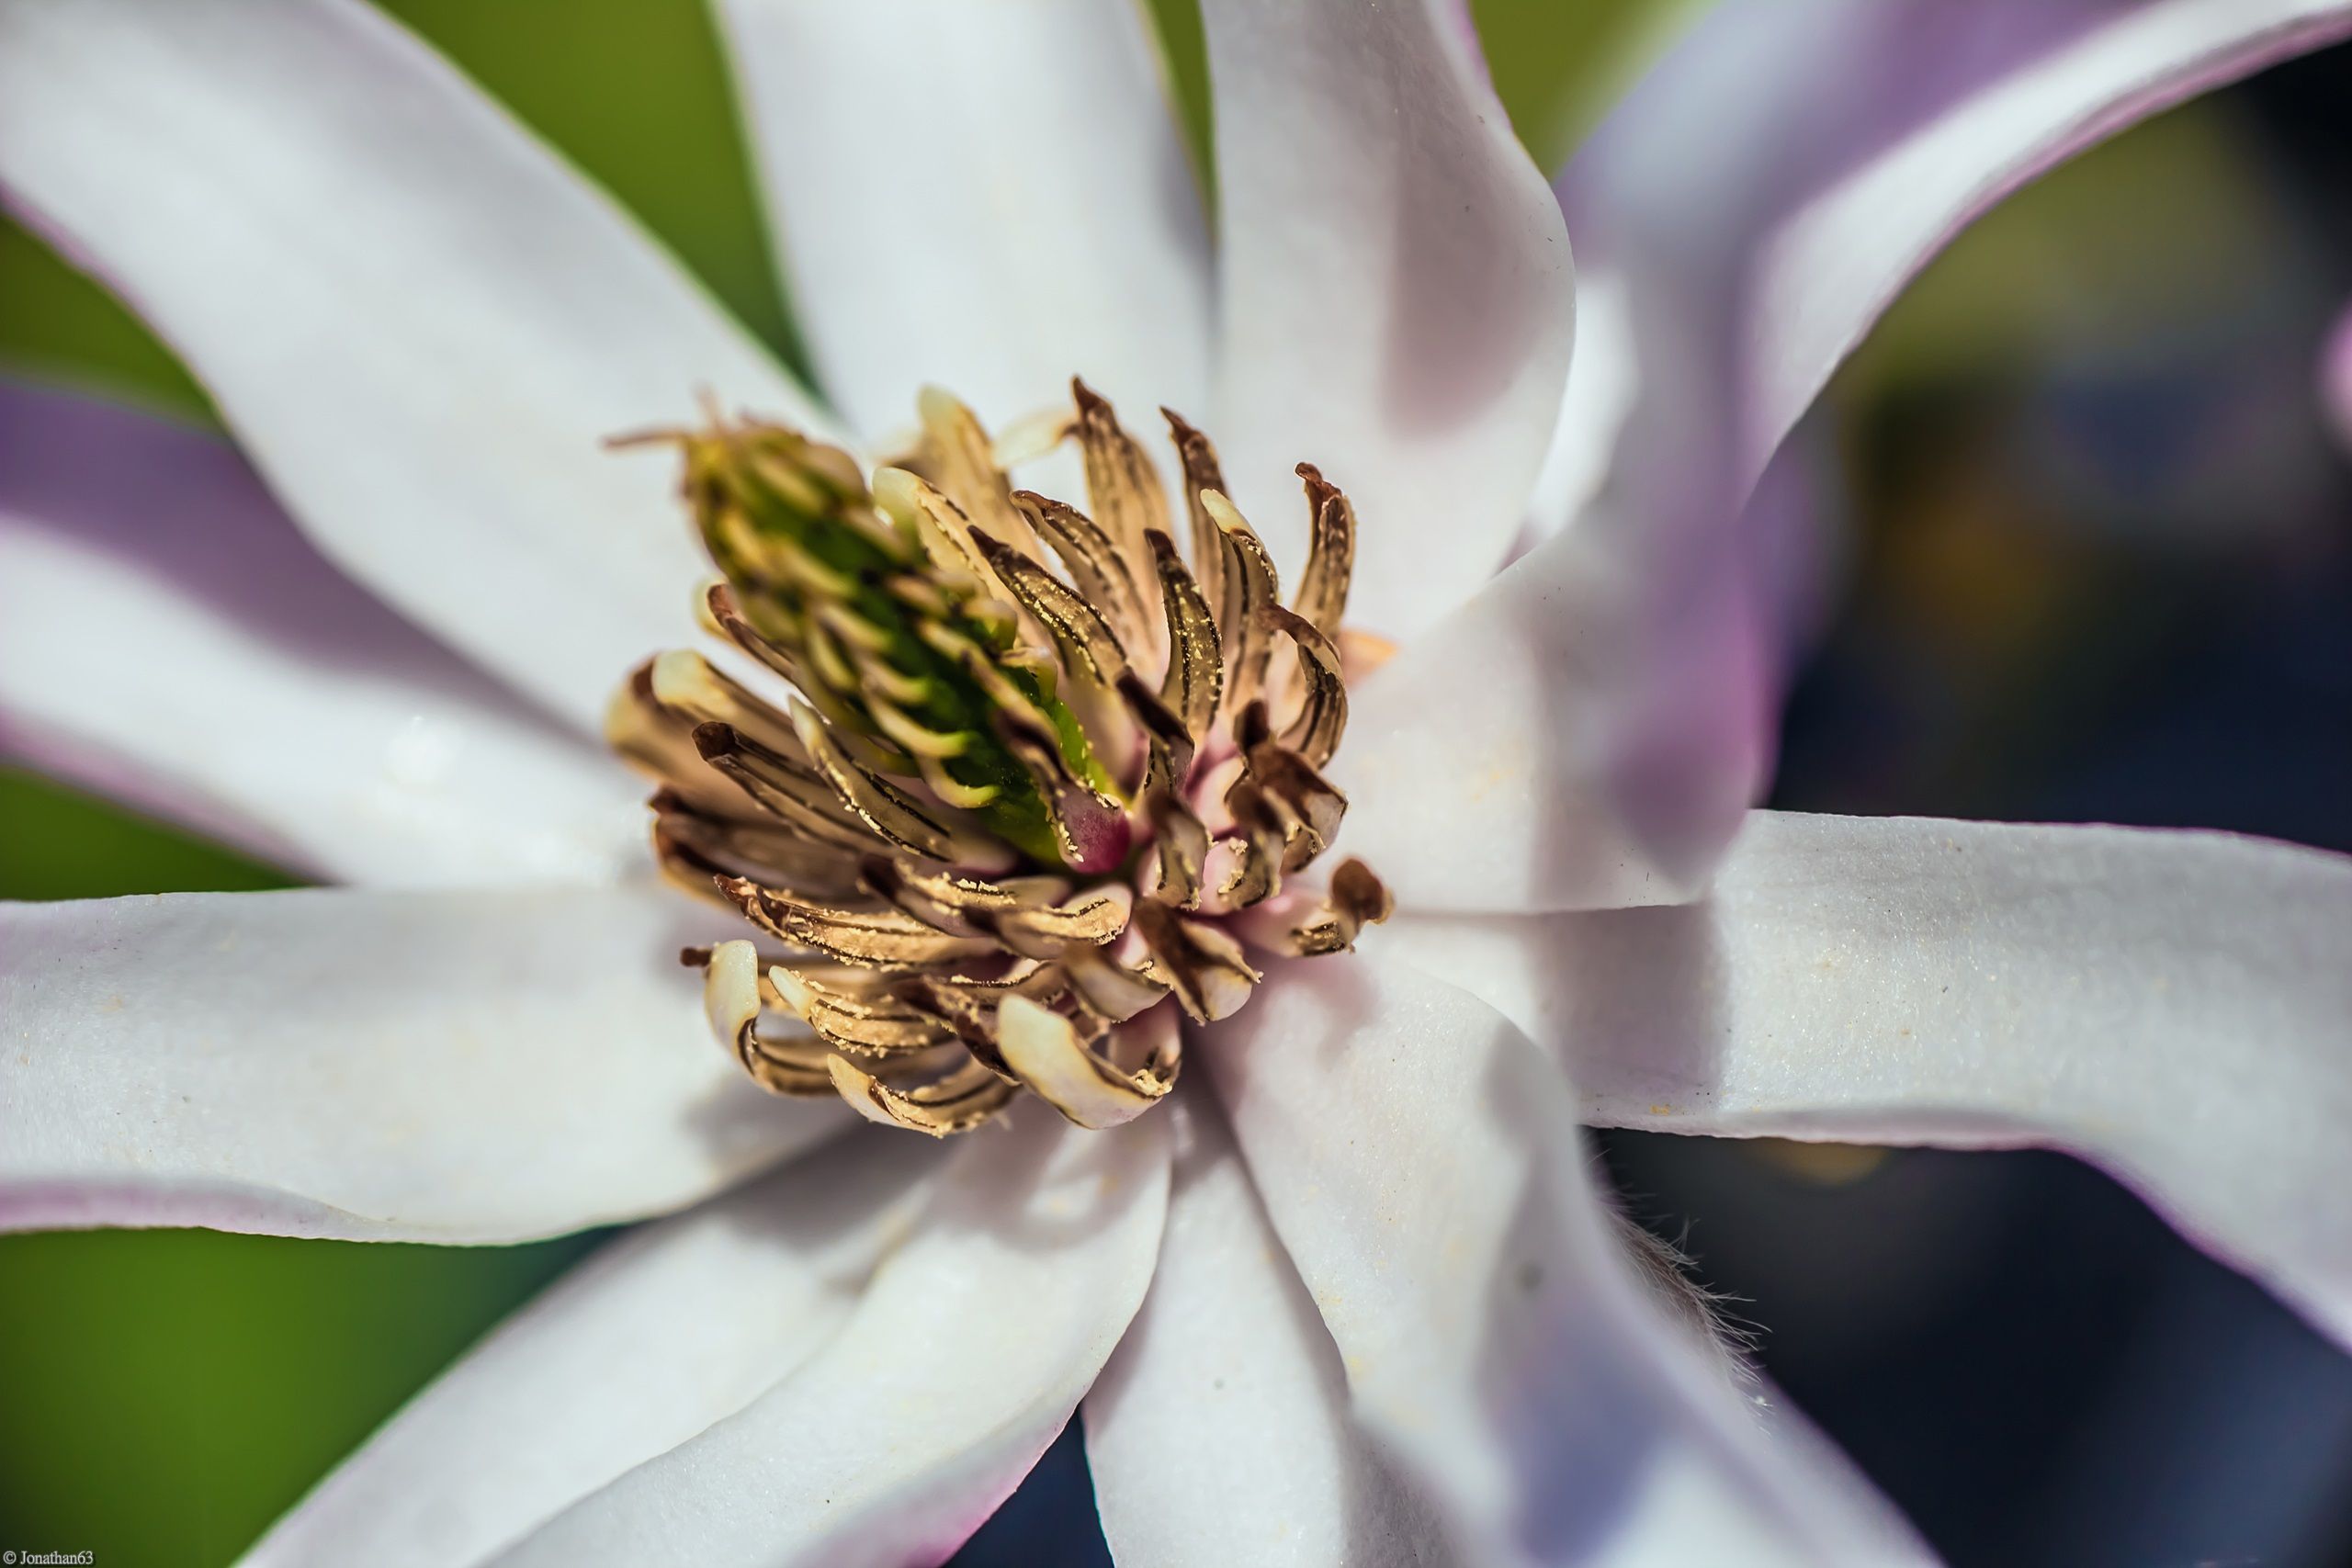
<point x="1331" y="554"/>
<point x="1029" y="788"/>
<point x="1249" y="588"/>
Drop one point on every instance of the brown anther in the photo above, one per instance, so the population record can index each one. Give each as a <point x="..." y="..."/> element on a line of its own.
<point x="925" y="675"/>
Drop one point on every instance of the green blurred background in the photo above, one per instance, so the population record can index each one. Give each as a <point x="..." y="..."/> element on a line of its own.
<point x="163" y="1396"/>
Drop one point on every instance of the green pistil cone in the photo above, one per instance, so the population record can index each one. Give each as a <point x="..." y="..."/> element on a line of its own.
<point x="878" y="630"/>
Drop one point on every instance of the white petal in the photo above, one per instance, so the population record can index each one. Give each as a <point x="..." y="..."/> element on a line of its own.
<point x="893" y="1442"/>
<point x="670" y="1328"/>
<point x="1833" y="266"/>
<point x="417" y="321"/>
<point x="1585" y="733"/>
<point x="2176" y="1007"/>
<point x="1419" y="1158"/>
<point x="446" y="1066"/>
<point x="990" y="199"/>
<point x="1397" y="297"/>
<point x="1219" y="1432"/>
<point x="167" y="636"/>
<point x="1604" y="379"/>
<point x="1793" y="164"/>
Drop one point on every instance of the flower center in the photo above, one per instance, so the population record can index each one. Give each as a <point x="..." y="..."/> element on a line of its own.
<point x="1008" y="822"/>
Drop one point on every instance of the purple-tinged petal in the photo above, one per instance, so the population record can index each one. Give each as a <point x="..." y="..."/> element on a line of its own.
<point x="2335" y="378"/>
<point x="2176" y="1007"/>
<point x="1418" y="1156"/>
<point x="449" y="1066"/>
<point x="1228" y="1387"/>
<point x="1862" y="136"/>
<point x="167" y="636"/>
<point x="1755" y="204"/>
<point x="1397" y="293"/>
<point x="1579" y="736"/>
<point x="672" y="1328"/>
<point x="419" y="323"/>
<point x="897" y="1438"/>
<point x="1586" y="730"/>
<point x="990" y="199"/>
<point x="1603" y="381"/>
<point x="1928" y="163"/>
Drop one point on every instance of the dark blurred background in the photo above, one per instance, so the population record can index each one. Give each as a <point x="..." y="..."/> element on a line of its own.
<point x="2091" y="559"/>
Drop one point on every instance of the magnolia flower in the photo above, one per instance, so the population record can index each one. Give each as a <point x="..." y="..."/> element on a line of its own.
<point x="1353" y="1298"/>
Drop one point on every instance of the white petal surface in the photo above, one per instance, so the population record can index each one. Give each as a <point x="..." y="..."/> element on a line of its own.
<point x="1416" y="1156"/>
<point x="1835" y="264"/>
<point x="416" y="320"/>
<point x="2174" y="1006"/>
<point x="167" y="636"/>
<point x="891" y="1444"/>
<point x="1604" y="379"/>
<point x="1586" y="732"/>
<point x="1397" y="293"/>
<point x="444" y="1066"/>
<point x="1220" y="1432"/>
<point x="668" y="1329"/>
<point x="990" y="199"/>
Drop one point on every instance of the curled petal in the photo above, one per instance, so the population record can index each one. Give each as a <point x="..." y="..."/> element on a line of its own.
<point x="1305" y="806"/>
<point x="168" y="638"/>
<point x="1396" y="298"/>
<point x="962" y="1358"/>
<point x="1841" y="257"/>
<point x="658" y="1336"/>
<point x="1755" y="204"/>
<point x="433" y="422"/>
